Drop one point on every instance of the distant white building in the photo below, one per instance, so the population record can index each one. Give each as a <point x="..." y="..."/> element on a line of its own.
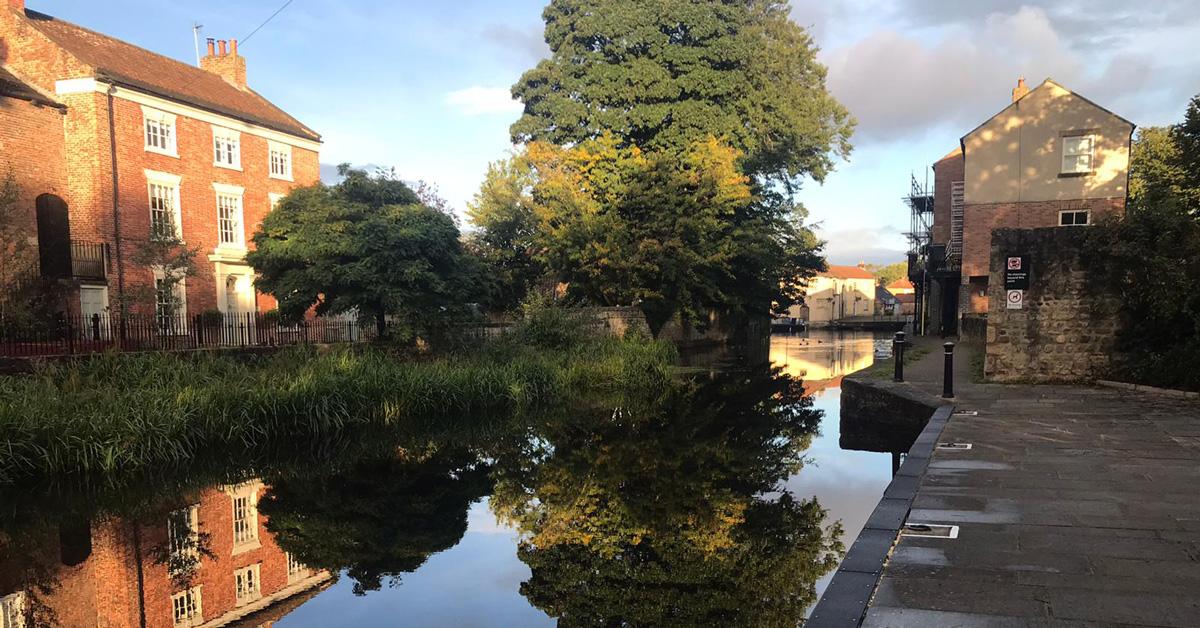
<point x="838" y="293"/>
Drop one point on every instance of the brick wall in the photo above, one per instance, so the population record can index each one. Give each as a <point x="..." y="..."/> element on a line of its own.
<point x="103" y="590"/>
<point x="1065" y="331"/>
<point x="71" y="156"/>
<point x="32" y="134"/>
<point x="198" y="200"/>
<point x="980" y="219"/>
<point x="945" y="172"/>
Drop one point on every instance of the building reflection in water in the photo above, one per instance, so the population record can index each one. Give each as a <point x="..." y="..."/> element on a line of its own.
<point x="208" y="562"/>
<point x="670" y="504"/>
<point x="823" y="358"/>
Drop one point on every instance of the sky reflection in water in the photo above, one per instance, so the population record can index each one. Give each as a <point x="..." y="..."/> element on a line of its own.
<point x="665" y="511"/>
<point x="477" y="582"/>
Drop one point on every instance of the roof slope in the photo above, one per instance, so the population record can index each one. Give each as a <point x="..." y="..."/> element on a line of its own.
<point x="902" y="283"/>
<point x="847" y="272"/>
<point x="131" y="66"/>
<point x="1041" y="86"/>
<point x="14" y="87"/>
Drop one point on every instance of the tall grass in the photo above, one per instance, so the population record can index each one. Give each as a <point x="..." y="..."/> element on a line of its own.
<point x="135" y="413"/>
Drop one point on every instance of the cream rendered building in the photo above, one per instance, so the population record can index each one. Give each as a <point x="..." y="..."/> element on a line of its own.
<point x="838" y="293"/>
<point x="1051" y="158"/>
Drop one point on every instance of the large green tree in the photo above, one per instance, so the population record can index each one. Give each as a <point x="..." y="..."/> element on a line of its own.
<point x="365" y="245"/>
<point x="663" y="74"/>
<point x="674" y="232"/>
<point x="506" y="239"/>
<point x="1151" y="257"/>
<point x="661" y="77"/>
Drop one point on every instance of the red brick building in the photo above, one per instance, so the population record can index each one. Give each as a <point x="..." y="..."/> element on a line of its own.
<point x="1050" y="158"/>
<point x="117" y="574"/>
<point x="111" y="143"/>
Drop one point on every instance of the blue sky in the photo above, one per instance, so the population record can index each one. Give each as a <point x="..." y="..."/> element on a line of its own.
<point x="422" y="86"/>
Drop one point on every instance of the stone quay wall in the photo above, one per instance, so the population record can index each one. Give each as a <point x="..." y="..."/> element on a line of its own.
<point x="1065" y="331"/>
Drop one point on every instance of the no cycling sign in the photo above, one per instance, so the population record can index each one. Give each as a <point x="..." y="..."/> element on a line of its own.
<point x="1016" y="281"/>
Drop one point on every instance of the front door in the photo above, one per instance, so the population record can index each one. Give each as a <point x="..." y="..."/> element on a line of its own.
<point x="93" y="307"/>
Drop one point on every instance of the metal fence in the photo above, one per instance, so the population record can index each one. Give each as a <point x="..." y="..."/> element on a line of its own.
<point x="69" y="335"/>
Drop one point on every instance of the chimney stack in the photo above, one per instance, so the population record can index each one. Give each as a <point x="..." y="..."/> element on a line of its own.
<point x="1020" y="90"/>
<point x="17" y="5"/>
<point x="224" y="61"/>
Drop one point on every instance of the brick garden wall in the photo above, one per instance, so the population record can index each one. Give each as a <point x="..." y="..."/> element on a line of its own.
<point x="1065" y="332"/>
<point x="980" y="219"/>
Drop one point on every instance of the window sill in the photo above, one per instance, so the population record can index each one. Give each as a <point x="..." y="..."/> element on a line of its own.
<point x="165" y="153"/>
<point x="218" y="164"/>
<point x="1075" y="175"/>
<point x="280" y="177"/>
<point x="248" y="546"/>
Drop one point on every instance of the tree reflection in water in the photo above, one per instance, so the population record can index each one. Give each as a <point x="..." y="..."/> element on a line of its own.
<point x="656" y="507"/>
<point x="666" y="512"/>
<point x="379" y="518"/>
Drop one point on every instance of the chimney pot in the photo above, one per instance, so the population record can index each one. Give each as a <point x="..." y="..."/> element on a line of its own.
<point x="1020" y="90"/>
<point x="222" y="47"/>
<point x="212" y="47"/>
<point x="233" y="47"/>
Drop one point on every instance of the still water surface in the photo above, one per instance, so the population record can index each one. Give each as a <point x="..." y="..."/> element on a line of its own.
<point x="726" y="504"/>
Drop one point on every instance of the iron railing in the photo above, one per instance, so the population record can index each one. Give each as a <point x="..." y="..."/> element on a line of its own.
<point x="89" y="260"/>
<point x="69" y="335"/>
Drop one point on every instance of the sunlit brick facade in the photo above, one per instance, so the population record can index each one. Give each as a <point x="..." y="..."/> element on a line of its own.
<point x="114" y="133"/>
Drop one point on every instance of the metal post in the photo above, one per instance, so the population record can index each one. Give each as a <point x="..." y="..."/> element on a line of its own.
<point x="948" y="375"/>
<point x="898" y="356"/>
<point x="70" y="336"/>
<point x="96" y="327"/>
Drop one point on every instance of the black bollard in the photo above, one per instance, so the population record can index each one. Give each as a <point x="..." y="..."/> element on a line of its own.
<point x="898" y="356"/>
<point x="948" y="375"/>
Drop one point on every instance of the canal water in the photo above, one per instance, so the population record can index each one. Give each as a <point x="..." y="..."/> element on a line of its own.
<point x="725" y="503"/>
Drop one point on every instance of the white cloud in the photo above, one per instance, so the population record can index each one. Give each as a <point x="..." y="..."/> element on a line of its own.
<point x="478" y="100"/>
<point x="873" y="245"/>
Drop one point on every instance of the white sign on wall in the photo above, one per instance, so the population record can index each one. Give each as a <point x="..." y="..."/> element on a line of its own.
<point x="1016" y="299"/>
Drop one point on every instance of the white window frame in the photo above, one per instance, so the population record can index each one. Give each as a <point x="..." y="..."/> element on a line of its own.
<point x="247" y="585"/>
<point x="247" y="539"/>
<point x="180" y="545"/>
<point x="274" y="198"/>
<point x="12" y="610"/>
<point x="171" y="183"/>
<point x="178" y="602"/>
<point x="179" y="325"/>
<point x="296" y="570"/>
<point x="166" y="125"/>
<point x="1086" y="213"/>
<point x="285" y="153"/>
<point x="236" y="194"/>
<point x="1070" y="157"/>
<point x="227" y="148"/>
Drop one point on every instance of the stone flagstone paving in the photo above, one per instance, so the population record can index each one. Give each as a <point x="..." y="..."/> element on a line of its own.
<point x="1076" y="506"/>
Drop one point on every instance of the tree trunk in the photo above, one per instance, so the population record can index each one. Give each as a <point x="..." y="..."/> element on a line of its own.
<point x="381" y="323"/>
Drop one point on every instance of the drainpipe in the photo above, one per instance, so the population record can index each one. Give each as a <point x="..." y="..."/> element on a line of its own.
<point x="141" y="576"/>
<point x="116" y="200"/>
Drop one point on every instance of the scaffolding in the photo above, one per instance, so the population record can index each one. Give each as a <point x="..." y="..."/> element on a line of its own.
<point x="920" y="239"/>
<point x="920" y="204"/>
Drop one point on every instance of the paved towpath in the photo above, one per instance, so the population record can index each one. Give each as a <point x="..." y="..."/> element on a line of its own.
<point x="1076" y="506"/>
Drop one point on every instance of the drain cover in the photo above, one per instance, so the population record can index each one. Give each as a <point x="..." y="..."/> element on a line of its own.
<point x="954" y="446"/>
<point x="967" y="413"/>
<point x="930" y="531"/>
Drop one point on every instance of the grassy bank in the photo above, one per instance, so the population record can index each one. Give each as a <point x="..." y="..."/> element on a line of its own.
<point x="138" y="412"/>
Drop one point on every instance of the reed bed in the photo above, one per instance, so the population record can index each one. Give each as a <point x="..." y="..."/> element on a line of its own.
<point x="134" y="413"/>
